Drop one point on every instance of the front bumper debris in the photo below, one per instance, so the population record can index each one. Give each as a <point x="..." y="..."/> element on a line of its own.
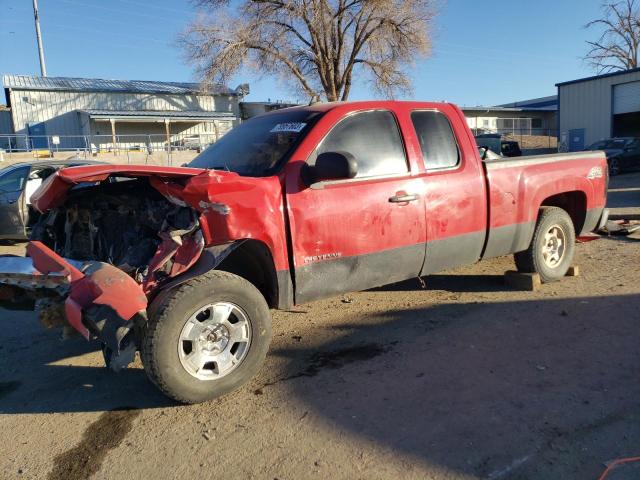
<point x="97" y="299"/>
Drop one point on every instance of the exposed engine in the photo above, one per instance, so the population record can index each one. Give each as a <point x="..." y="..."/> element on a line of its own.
<point x="121" y="222"/>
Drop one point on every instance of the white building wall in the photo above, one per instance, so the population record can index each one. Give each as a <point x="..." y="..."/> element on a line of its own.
<point x="58" y="108"/>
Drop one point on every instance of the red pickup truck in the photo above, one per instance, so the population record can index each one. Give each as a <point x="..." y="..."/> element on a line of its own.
<point x="183" y="264"/>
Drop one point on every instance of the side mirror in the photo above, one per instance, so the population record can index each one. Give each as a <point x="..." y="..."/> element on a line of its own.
<point x="483" y="152"/>
<point x="330" y="166"/>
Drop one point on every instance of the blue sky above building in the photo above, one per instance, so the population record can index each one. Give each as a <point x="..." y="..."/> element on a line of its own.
<point x="484" y="53"/>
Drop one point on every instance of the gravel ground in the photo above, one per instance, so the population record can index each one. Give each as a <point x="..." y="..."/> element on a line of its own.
<point x="464" y="380"/>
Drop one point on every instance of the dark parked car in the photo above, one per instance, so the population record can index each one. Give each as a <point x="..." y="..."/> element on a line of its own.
<point x="495" y="143"/>
<point x="17" y="184"/>
<point x="623" y="154"/>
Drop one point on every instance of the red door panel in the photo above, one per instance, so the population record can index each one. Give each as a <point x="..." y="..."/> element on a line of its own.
<point x="348" y="236"/>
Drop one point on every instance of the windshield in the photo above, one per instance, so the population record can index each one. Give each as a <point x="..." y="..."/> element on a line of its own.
<point x="259" y="146"/>
<point x="610" y="144"/>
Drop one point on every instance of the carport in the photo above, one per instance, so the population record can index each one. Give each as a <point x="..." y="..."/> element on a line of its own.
<point x="129" y="129"/>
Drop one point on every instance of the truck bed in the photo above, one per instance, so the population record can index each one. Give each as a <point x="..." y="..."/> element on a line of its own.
<point x="515" y="184"/>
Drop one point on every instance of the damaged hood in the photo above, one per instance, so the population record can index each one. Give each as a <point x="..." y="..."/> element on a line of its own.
<point x="54" y="190"/>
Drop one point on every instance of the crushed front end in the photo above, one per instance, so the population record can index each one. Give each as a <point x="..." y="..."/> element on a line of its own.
<point x="98" y="256"/>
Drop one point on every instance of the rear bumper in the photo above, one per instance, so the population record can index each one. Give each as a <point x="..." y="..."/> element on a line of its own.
<point x="603" y="219"/>
<point x="594" y="220"/>
<point x="96" y="299"/>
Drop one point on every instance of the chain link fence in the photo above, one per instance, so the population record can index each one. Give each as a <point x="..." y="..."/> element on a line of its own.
<point x="531" y="140"/>
<point x="137" y="148"/>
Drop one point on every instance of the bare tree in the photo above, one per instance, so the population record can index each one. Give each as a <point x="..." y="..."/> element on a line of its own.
<point x="619" y="45"/>
<point x="316" y="45"/>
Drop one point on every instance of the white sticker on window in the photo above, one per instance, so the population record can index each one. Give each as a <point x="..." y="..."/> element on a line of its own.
<point x="295" y="127"/>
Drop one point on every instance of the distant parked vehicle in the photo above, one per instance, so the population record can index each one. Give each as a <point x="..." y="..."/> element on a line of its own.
<point x="623" y="154"/>
<point x="191" y="142"/>
<point x="495" y="143"/>
<point x="17" y="183"/>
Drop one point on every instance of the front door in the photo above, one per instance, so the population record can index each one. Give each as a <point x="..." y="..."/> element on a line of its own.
<point x="576" y="140"/>
<point x="350" y="235"/>
<point x="37" y="136"/>
<point x="12" y="203"/>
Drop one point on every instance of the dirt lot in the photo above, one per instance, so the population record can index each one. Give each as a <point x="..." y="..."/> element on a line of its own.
<point x="463" y="380"/>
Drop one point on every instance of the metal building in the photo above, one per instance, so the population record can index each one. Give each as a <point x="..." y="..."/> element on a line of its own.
<point x="103" y="113"/>
<point x="599" y="107"/>
<point x="5" y="121"/>
<point x="527" y="117"/>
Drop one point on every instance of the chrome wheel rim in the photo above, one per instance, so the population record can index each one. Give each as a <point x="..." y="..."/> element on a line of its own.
<point x="214" y="341"/>
<point x="554" y="246"/>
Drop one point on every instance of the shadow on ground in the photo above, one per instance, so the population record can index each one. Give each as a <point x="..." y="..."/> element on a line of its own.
<point x="39" y="373"/>
<point x="519" y="390"/>
<point x="450" y="283"/>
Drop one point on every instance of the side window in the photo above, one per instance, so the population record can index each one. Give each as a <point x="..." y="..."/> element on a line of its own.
<point x="373" y="139"/>
<point x="13" y="181"/>
<point x="438" y="144"/>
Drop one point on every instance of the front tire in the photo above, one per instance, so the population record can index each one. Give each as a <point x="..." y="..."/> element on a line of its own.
<point x="207" y="337"/>
<point x="552" y="248"/>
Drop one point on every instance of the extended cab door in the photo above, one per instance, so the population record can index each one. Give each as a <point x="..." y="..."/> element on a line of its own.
<point x="455" y="189"/>
<point x="353" y="234"/>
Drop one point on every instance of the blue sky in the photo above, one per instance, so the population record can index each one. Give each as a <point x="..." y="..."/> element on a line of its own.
<point x="485" y="52"/>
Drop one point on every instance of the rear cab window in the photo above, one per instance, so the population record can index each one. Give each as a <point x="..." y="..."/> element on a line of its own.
<point x="373" y="138"/>
<point x="438" y="143"/>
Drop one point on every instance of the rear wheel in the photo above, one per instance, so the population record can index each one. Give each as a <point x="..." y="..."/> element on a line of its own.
<point x="552" y="247"/>
<point x="207" y="337"/>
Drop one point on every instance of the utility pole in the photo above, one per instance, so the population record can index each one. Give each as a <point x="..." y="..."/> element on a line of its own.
<point x="43" y="68"/>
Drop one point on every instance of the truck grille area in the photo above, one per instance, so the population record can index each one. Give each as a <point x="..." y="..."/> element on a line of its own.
<point x="117" y="222"/>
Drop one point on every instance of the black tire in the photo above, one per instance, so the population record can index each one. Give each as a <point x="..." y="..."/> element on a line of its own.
<point x="161" y="341"/>
<point x="533" y="260"/>
<point x="614" y="167"/>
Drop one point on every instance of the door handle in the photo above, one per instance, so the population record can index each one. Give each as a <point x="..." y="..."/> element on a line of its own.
<point x="403" y="198"/>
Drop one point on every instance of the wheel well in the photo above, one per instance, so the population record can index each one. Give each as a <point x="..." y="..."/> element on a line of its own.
<point x="252" y="261"/>
<point x="574" y="203"/>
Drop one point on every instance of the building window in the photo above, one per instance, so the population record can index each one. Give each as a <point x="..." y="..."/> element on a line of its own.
<point x="536" y="123"/>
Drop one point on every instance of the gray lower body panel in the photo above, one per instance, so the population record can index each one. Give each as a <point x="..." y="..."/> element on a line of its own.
<point x="351" y="274"/>
<point x="594" y="220"/>
<point x="509" y="239"/>
<point x="453" y="252"/>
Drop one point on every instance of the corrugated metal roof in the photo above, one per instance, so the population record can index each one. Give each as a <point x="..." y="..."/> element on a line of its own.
<point x="598" y="77"/>
<point x="547" y="103"/>
<point x="153" y="114"/>
<point x="32" y="82"/>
